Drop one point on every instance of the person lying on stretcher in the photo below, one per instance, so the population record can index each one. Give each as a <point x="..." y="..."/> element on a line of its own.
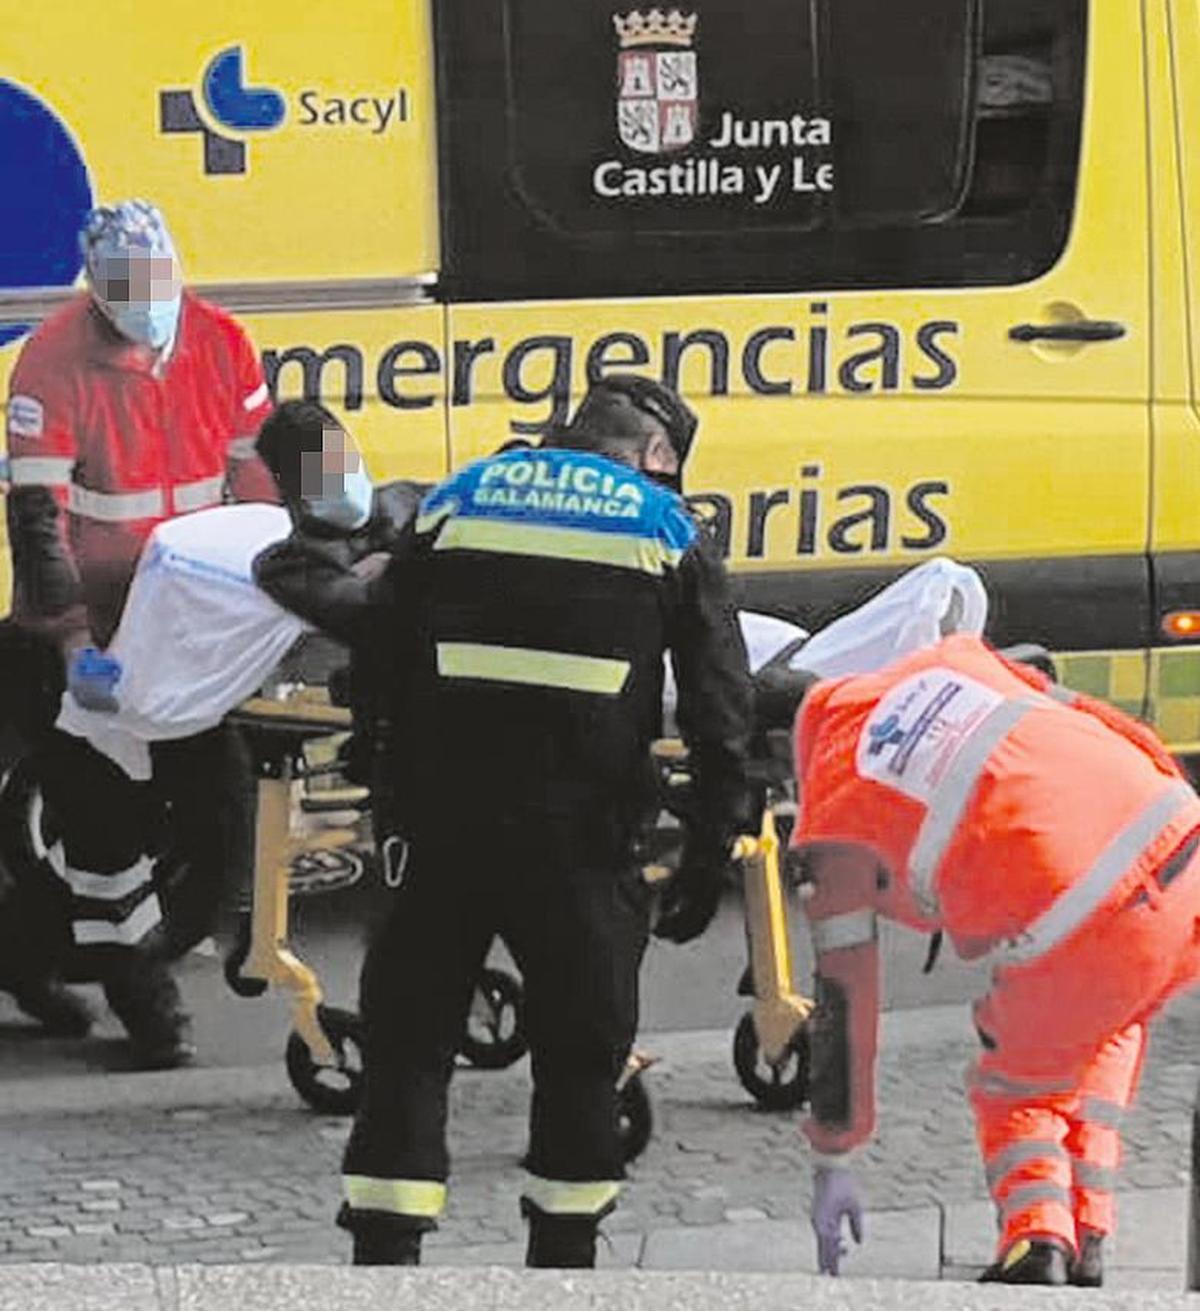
<point x="220" y="597"/>
<point x="332" y="572"/>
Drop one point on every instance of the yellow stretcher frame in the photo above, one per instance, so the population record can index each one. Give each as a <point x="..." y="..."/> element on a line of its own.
<point x="270" y="958"/>
<point x="779" y="1010"/>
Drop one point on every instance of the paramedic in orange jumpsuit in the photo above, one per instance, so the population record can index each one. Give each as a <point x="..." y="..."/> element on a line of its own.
<point x="1040" y="829"/>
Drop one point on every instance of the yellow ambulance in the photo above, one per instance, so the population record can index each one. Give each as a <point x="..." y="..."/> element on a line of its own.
<point x="926" y="268"/>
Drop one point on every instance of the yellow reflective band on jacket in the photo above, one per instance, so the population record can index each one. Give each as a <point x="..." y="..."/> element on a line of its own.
<point x="423" y="1197"/>
<point x="519" y="664"/>
<point x="429" y="520"/>
<point x="620" y="550"/>
<point x="562" y="1197"/>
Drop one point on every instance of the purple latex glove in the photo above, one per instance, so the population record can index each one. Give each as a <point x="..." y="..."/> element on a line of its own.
<point x="835" y="1196"/>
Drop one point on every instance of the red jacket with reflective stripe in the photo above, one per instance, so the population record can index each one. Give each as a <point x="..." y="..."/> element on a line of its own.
<point x="950" y="790"/>
<point x="102" y="447"/>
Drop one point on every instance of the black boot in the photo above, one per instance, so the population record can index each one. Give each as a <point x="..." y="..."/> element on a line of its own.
<point x="1088" y="1269"/>
<point x="62" y="1013"/>
<point x="400" y="1248"/>
<point x="382" y="1240"/>
<point x="1031" y="1261"/>
<point x="560" y="1242"/>
<point x="144" y="996"/>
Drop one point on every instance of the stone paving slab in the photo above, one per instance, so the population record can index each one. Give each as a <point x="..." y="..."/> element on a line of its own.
<point x="897" y="1244"/>
<point x="614" y="1252"/>
<point x="285" y="1287"/>
<point x="99" y="1288"/>
<point x="178" y="1175"/>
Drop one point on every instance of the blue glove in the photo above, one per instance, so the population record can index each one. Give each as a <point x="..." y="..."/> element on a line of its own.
<point x="92" y="679"/>
<point x="835" y="1197"/>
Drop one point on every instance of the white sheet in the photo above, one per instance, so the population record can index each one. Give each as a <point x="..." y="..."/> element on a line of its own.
<point x="197" y="636"/>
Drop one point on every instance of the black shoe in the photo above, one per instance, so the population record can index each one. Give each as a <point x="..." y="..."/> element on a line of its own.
<point x="145" y="998"/>
<point x="1087" y="1271"/>
<point x="60" y="1011"/>
<point x="169" y="1051"/>
<point x="403" y="1248"/>
<point x="560" y="1242"/>
<point x="1031" y="1261"/>
<point x="383" y="1240"/>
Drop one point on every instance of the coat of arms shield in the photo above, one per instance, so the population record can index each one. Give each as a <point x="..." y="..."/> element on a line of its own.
<point x="657" y="81"/>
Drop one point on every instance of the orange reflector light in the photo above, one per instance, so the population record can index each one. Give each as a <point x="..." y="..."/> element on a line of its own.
<point x="1182" y="623"/>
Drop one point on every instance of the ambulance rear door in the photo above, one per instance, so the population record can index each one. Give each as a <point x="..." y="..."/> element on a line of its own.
<point x="895" y="252"/>
<point x="1173" y="49"/>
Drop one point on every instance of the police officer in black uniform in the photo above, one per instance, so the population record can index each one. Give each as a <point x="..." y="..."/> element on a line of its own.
<point x="534" y="606"/>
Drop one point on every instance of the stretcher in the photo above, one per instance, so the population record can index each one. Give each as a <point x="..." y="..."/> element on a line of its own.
<point x="324" y="1049"/>
<point x="295" y="787"/>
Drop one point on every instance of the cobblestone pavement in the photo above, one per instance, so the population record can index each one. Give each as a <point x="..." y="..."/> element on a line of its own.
<point x="257" y="1180"/>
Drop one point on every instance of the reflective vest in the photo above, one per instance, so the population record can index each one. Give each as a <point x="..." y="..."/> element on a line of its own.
<point x="998" y="812"/>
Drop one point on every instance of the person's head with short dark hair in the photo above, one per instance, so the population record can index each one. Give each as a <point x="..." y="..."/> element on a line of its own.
<point x="316" y="464"/>
<point x="635" y="420"/>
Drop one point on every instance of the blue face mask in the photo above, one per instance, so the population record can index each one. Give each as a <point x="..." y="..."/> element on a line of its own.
<point x="151" y="323"/>
<point x="352" y="508"/>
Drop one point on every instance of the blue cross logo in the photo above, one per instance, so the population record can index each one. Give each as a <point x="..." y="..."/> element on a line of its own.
<point x="229" y="102"/>
<point x="886" y="734"/>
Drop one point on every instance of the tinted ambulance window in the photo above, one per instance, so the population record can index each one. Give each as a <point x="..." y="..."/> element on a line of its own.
<point x="792" y="144"/>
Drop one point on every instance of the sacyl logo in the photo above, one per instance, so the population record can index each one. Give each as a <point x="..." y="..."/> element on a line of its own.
<point x="230" y="103"/>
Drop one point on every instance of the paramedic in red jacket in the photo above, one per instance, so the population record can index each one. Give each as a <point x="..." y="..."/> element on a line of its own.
<point x="1043" y="831"/>
<point x="134" y="403"/>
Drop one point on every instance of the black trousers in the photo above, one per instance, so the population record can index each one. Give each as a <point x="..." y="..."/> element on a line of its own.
<point x="193" y="821"/>
<point x="204" y="798"/>
<point x="564" y="894"/>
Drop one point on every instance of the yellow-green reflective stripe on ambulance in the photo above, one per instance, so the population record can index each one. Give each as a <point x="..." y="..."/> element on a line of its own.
<point x="1118" y="677"/>
<point x="1174" y="707"/>
<point x="423" y="1197"/>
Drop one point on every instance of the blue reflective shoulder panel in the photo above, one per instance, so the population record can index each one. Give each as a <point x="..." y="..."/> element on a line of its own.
<point x="564" y="489"/>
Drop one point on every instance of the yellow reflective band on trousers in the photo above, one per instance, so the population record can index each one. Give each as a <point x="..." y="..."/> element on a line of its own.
<point x="621" y="550"/>
<point x="563" y="1197"/>
<point x="423" y="1197"/>
<point x="519" y="664"/>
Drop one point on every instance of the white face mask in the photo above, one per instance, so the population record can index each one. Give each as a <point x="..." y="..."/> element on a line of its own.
<point x="141" y="293"/>
<point x="152" y="323"/>
<point x="352" y="508"/>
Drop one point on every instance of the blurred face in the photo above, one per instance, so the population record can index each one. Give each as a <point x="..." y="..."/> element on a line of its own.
<point x="324" y="474"/>
<point x="137" y="278"/>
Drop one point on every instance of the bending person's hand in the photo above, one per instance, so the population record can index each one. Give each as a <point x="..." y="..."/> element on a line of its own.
<point x="835" y="1198"/>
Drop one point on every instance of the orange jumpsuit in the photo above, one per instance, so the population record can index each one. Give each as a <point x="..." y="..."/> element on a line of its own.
<point x="1041" y="829"/>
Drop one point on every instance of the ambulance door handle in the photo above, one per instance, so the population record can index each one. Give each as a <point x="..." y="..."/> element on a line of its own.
<point x="1076" y="330"/>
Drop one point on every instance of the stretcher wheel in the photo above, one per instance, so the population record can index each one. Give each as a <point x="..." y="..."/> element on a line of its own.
<point x="332" y="1090"/>
<point x="237" y="981"/>
<point x="495" y="1036"/>
<point x="635" y="1118"/>
<point x="780" y="1087"/>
